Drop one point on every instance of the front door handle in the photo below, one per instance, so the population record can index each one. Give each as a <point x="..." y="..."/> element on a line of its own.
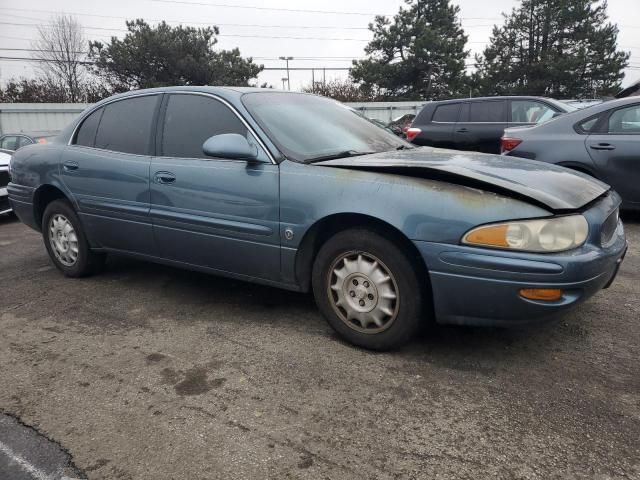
<point x="462" y="130"/>
<point x="69" y="166"/>
<point x="164" y="178"/>
<point x="602" y="146"/>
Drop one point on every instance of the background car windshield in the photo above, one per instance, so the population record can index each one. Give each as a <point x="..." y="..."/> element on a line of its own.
<point x="305" y="127"/>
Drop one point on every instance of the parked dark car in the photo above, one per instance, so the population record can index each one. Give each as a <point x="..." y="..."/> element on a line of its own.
<point x="478" y="123"/>
<point x="602" y="141"/>
<point x="296" y="191"/>
<point x="14" y="141"/>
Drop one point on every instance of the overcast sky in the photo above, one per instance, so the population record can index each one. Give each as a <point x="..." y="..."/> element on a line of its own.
<point x="315" y="38"/>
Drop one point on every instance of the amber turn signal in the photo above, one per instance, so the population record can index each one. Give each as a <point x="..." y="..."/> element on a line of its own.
<point x="545" y="294"/>
<point x="493" y="235"/>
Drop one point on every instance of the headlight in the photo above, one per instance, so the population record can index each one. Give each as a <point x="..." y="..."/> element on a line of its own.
<point x="545" y="235"/>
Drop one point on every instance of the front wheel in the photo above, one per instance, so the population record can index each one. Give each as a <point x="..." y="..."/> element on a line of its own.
<point x="66" y="242"/>
<point x="367" y="289"/>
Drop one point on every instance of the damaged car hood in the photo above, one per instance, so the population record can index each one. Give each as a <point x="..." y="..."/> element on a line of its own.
<point x="552" y="186"/>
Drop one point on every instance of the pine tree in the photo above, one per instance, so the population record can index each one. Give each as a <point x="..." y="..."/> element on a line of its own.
<point x="418" y="55"/>
<point x="557" y="48"/>
<point x="153" y="56"/>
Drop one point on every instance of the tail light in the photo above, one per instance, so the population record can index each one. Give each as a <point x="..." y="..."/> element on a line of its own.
<point x="412" y="133"/>
<point x="507" y="144"/>
<point x="41" y="140"/>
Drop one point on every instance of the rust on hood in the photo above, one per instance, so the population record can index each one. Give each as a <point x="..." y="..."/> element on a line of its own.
<point x="551" y="186"/>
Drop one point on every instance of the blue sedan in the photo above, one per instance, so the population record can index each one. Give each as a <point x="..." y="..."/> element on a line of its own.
<point x="299" y="192"/>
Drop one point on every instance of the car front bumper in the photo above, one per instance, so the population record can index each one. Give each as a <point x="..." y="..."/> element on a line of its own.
<point x="478" y="286"/>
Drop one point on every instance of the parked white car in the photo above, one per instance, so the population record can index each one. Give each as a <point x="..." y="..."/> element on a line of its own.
<point x="4" y="181"/>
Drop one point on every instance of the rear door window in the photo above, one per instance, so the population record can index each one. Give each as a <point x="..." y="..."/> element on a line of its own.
<point x="488" y="112"/>
<point x="126" y="125"/>
<point x="446" y="113"/>
<point x="86" y="135"/>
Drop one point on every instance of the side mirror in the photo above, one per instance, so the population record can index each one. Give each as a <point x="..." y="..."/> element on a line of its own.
<point x="556" y="114"/>
<point x="230" y="145"/>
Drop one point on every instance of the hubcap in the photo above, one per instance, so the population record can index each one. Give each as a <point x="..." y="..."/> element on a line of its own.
<point x="363" y="292"/>
<point x="63" y="240"/>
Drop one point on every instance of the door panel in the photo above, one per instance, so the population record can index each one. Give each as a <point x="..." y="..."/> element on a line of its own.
<point x="615" y="150"/>
<point x="617" y="161"/>
<point x="438" y="132"/>
<point x="112" y="193"/>
<point x="481" y="126"/>
<point x="218" y="214"/>
<point x="107" y="172"/>
<point x="213" y="212"/>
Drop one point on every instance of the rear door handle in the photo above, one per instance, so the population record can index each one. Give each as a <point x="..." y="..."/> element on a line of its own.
<point x="462" y="130"/>
<point x="164" y="178"/>
<point x="69" y="166"/>
<point x="602" y="146"/>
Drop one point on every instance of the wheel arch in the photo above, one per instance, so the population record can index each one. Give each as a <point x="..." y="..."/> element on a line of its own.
<point x="43" y="196"/>
<point x="326" y="227"/>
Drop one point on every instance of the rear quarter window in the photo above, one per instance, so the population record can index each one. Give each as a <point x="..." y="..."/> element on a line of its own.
<point x="589" y="125"/>
<point x="86" y="135"/>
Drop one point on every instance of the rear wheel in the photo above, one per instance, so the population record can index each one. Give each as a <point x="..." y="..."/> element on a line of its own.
<point x="367" y="289"/>
<point x="66" y="242"/>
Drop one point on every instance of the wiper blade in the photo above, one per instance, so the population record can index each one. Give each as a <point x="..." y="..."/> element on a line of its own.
<point x="334" y="156"/>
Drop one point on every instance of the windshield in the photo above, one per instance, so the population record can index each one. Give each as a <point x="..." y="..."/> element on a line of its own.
<point x="307" y="128"/>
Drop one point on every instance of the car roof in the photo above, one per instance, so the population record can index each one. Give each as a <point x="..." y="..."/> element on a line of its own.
<point x="223" y="91"/>
<point x="496" y="97"/>
<point x="608" y="104"/>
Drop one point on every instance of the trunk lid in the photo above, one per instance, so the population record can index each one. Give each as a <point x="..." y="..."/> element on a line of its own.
<point x="552" y="186"/>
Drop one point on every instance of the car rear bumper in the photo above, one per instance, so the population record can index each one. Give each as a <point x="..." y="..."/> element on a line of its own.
<point x="21" y="201"/>
<point x="475" y="286"/>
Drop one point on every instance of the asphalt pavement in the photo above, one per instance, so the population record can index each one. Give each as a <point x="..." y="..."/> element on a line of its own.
<point x="150" y="372"/>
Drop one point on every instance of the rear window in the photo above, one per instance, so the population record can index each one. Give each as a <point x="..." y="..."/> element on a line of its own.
<point x="588" y="125"/>
<point x="126" y="125"/>
<point x="446" y="113"/>
<point x="490" y="111"/>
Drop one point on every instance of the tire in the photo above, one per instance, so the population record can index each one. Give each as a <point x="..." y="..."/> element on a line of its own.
<point x="357" y="300"/>
<point x="68" y="249"/>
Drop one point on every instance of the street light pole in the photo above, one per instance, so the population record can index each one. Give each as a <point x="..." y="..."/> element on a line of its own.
<point x="288" y="78"/>
<point x="283" y="80"/>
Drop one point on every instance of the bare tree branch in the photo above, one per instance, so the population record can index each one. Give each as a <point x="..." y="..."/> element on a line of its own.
<point x="60" y="54"/>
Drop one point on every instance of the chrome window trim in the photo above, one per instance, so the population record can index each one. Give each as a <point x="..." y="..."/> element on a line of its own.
<point x="182" y="92"/>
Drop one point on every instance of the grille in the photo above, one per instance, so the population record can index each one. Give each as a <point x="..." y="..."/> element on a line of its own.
<point x="609" y="228"/>
<point x="4" y="179"/>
